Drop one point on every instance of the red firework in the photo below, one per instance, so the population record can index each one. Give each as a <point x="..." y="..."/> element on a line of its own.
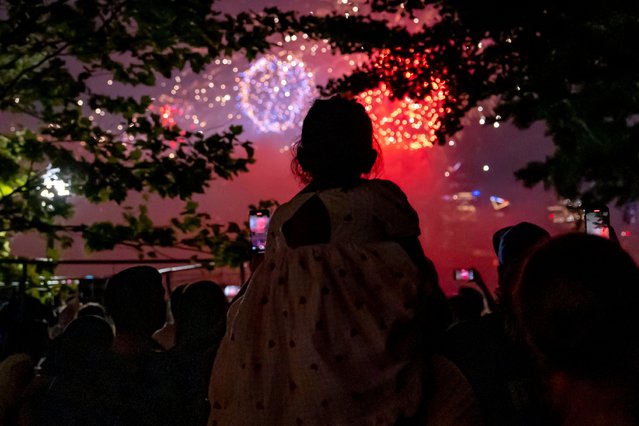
<point x="406" y="123"/>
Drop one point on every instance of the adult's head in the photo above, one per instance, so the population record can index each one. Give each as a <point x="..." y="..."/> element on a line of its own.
<point x="83" y="345"/>
<point x="24" y="325"/>
<point x="134" y="299"/>
<point x="512" y="244"/>
<point x="200" y="313"/>
<point x="467" y="304"/>
<point x="337" y="144"/>
<point x="577" y="302"/>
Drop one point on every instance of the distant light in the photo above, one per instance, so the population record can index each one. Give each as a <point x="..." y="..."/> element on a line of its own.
<point x="231" y="290"/>
<point x="498" y="203"/>
<point x="476" y="193"/>
<point x="53" y="185"/>
<point x="486" y="167"/>
<point x="446" y="174"/>
<point x="451" y="143"/>
<point x="495" y="125"/>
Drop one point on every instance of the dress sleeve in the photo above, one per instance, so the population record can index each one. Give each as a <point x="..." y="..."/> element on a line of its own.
<point x="393" y="210"/>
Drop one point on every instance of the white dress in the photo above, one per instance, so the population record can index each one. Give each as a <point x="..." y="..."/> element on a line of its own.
<point x="325" y="334"/>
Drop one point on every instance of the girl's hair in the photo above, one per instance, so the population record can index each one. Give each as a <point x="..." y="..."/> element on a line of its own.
<point x="337" y="144"/>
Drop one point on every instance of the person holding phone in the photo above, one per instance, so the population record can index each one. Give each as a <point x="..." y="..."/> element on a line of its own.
<point x="258" y="226"/>
<point x="597" y="221"/>
<point x="487" y="350"/>
<point x="336" y="322"/>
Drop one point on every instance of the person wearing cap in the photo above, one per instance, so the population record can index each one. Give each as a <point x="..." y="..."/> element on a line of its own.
<point x="485" y="349"/>
<point x="512" y="246"/>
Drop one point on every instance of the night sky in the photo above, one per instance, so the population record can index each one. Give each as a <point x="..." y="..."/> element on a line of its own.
<point x="455" y="233"/>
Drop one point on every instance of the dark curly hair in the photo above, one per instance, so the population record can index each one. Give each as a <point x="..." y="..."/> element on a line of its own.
<point x="337" y="145"/>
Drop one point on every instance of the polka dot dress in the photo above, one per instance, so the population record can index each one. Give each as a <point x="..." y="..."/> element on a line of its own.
<point x="325" y="333"/>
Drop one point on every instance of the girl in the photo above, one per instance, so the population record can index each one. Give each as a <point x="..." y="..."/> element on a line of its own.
<point x="336" y="322"/>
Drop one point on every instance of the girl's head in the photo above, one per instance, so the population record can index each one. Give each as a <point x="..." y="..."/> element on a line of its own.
<point x="337" y="144"/>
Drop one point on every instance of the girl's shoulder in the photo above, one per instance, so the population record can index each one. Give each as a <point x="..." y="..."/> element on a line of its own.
<point x="392" y="208"/>
<point x="385" y="188"/>
<point x="383" y="183"/>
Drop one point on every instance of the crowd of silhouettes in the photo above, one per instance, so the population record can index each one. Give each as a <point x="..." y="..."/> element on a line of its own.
<point x="342" y="322"/>
<point x="105" y="367"/>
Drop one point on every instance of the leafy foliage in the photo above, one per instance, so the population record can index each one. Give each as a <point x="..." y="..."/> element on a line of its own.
<point x="50" y="55"/>
<point x="571" y="66"/>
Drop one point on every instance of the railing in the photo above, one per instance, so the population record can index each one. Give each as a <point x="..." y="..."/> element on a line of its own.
<point x="192" y="263"/>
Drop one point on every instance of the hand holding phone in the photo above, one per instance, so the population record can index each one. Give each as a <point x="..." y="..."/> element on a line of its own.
<point x="463" y="274"/>
<point x="258" y="225"/>
<point x="598" y="221"/>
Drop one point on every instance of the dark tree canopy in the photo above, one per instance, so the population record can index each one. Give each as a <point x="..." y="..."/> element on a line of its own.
<point x="571" y="66"/>
<point x="50" y="55"/>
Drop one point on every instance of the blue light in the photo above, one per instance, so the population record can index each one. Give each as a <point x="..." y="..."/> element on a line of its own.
<point x="476" y="193"/>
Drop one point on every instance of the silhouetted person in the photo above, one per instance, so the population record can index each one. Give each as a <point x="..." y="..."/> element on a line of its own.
<point x="200" y="324"/>
<point x="466" y="305"/>
<point x="134" y="300"/>
<point x="335" y="324"/>
<point x="577" y="304"/>
<point x="512" y="245"/>
<point x="78" y="388"/>
<point x="24" y="340"/>
<point x="489" y="354"/>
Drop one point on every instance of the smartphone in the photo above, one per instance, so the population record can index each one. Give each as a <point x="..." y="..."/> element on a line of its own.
<point x="598" y="221"/>
<point x="258" y="225"/>
<point x="463" y="275"/>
